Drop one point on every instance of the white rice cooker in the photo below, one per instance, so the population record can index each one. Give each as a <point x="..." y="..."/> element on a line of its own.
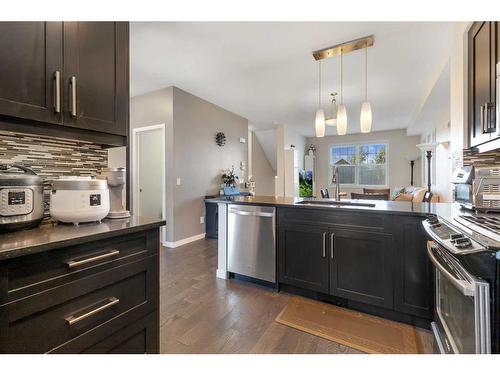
<point x="79" y="199"/>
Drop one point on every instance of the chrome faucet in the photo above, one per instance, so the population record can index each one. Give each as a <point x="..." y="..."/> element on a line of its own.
<point x="335" y="180"/>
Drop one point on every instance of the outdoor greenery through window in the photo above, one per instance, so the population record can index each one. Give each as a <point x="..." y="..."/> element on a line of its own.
<point x="360" y="164"/>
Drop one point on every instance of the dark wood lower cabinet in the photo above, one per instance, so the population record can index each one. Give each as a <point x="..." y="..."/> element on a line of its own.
<point x="361" y="267"/>
<point x="413" y="289"/>
<point x="140" y="337"/>
<point x="383" y="266"/>
<point x="303" y="261"/>
<point x="64" y="301"/>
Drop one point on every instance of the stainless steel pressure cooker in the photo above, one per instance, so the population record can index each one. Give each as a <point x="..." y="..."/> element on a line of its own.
<point x="21" y="198"/>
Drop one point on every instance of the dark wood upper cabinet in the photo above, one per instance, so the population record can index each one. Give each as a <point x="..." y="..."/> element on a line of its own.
<point x="74" y="74"/>
<point x="482" y="40"/>
<point x="303" y="260"/>
<point x="361" y="267"/>
<point x="31" y="55"/>
<point x="96" y="76"/>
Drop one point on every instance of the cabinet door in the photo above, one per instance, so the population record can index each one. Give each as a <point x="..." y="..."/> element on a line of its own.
<point x="413" y="285"/>
<point x="31" y="55"/>
<point x="302" y="256"/>
<point x="361" y="266"/>
<point x="482" y="57"/>
<point x="96" y="76"/>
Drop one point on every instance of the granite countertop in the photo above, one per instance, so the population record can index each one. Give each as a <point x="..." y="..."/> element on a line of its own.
<point x="390" y="207"/>
<point x="52" y="235"/>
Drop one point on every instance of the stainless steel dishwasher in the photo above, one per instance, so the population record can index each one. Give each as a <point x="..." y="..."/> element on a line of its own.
<point x="251" y="238"/>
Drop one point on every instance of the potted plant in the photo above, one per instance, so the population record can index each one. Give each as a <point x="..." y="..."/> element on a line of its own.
<point x="229" y="177"/>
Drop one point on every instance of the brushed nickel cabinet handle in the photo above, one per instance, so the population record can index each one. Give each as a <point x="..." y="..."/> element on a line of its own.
<point x="103" y="305"/>
<point x="332" y="241"/>
<point x="57" y="91"/>
<point x="72" y="83"/>
<point x="80" y="262"/>
<point x="486" y="117"/>
<point x="324" y="244"/>
<point x="483" y="130"/>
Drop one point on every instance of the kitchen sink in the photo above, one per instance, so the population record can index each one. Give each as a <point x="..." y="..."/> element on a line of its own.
<point x="336" y="203"/>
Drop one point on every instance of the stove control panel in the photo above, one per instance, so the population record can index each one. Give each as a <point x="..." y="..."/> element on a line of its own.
<point x="450" y="238"/>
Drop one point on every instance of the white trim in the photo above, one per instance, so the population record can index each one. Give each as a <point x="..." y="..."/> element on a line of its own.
<point x="222" y="242"/>
<point x="183" y="241"/>
<point x="135" y="172"/>
<point x="221" y="274"/>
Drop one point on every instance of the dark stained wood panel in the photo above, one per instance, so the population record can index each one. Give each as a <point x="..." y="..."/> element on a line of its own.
<point x="31" y="54"/>
<point x="96" y="54"/>
<point x="362" y="266"/>
<point x="303" y="259"/>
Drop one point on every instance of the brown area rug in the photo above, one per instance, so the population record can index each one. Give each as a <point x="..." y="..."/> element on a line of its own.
<point x="363" y="332"/>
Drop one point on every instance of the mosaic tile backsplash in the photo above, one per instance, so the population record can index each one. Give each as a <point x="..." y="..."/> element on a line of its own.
<point x="483" y="159"/>
<point x="52" y="157"/>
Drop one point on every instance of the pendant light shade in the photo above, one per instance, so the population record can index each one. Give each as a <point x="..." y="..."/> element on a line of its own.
<point x="366" y="117"/>
<point x="319" y="124"/>
<point x="342" y="120"/>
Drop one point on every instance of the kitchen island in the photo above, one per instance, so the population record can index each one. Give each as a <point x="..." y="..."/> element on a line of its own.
<point x="92" y="288"/>
<point x="365" y="255"/>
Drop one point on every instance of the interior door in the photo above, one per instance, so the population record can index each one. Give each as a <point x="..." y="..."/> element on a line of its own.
<point x="482" y="58"/>
<point x="96" y="76"/>
<point x="150" y="169"/>
<point x="361" y="266"/>
<point x="30" y="59"/>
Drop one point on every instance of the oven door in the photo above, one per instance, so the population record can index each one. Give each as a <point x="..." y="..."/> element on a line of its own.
<point x="462" y="309"/>
<point x="462" y="193"/>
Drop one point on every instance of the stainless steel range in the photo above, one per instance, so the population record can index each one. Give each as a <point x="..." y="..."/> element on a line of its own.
<point x="465" y="253"/>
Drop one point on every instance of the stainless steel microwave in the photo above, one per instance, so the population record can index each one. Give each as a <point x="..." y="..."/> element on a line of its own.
<point x="477" y="188"/>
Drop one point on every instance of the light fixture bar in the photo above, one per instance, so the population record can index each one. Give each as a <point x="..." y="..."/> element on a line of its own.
<point x="346" y="47"/>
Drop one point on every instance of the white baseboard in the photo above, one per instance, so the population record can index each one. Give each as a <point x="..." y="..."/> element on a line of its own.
<point x="183" y="241"/>
<point x="221" y="274"/>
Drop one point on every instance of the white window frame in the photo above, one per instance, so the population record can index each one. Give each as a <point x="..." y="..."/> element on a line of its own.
<point x="357" y="145"/>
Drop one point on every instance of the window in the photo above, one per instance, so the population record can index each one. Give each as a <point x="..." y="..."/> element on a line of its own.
<point x="360" y="164"/>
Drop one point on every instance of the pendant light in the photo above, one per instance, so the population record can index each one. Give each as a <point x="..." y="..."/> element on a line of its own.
<point x="342" y="112"/>
<point x="319" y="123"/>
<point x="366" y="109"/>
<point x="332" y="120"/>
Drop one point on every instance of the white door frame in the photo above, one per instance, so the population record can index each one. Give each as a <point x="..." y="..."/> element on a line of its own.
<point x="136" y="172"/>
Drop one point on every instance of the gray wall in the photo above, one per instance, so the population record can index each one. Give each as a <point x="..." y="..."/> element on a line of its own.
<point x="156" y="108"/>
<point x="262" y="171"/>
<point x="198" y="161"/>
<point x="191" y="152"/>
<point x="399" y="145"/>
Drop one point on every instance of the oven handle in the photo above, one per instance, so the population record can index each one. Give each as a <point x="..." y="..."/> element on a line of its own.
<point x="467" y="289"/>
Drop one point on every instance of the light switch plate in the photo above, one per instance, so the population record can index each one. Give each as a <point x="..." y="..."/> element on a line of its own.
<point x="178" y="180"/>
<point x="243" y="140"/>
<point x="202" y="219"/>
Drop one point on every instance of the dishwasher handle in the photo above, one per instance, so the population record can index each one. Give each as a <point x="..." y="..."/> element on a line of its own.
<point x="250" y="213"/>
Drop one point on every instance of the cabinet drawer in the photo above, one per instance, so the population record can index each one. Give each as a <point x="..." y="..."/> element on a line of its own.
<point x="46" y="320"/>
<point x="347" y="219"/>
<point x="32" y="274"/>
<point x="139" y="337"/>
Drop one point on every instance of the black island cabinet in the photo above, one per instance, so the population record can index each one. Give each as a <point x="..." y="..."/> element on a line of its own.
<point x="369" y="261"/>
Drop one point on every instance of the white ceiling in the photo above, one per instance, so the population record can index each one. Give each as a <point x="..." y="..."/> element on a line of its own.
<point x="264" y="71"/>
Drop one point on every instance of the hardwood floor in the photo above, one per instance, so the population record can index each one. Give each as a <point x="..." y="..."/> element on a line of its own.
<point x="202" y="314"/>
